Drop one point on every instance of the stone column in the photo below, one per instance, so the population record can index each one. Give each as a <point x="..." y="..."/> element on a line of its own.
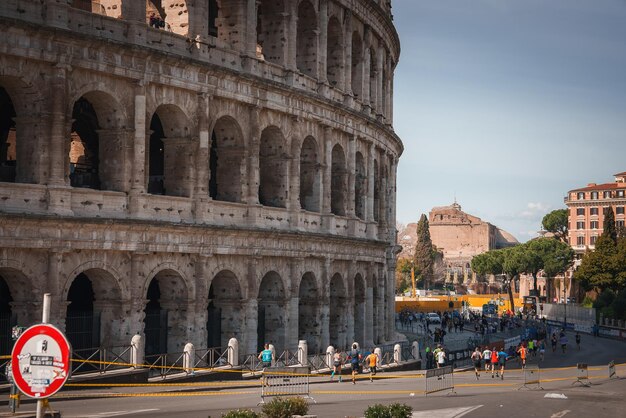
<point x="351" y="162"/>
<point x="253" y="157"/>
<point x="54" y="286"/>
<point x="348" y="54"/>
<point x="367" y="68"/>
<point x="199" y="337"/>
<point x="379" y="82"/>
<point x="249" y="338"/>
<point x="351" y="300"/>
<point x="292" y="306"/>
<point x="327" y="169"/>
<point x="251" y="22"/>
<point x="325" y="304"/>
<point x="393" y="167"/>
<point x="369" y="317"/>
<point x="138" y="288"/>
<point x="114" y="165"/>
<point x="292" y="35"/>
<point x="369" y="213"/>
<point x="323" y="43"/>
<point x="60" y="200"/>
<point x="198" y="19"/>
<point x="201" y="192"/>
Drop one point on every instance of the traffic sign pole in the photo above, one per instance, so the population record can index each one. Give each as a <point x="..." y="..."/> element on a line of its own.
<point x="45" y="317"/>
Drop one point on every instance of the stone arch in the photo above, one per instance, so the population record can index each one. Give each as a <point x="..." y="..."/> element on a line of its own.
<point x="97" y="140"/>
<point x="271" y="31"/>
<point x="309" y="311"/>
<point x="307" y="39"/>
<point x="7" y="318"/>
<point x="360" y="186"/>
<point x="310" y="175"/>
<point x="225" y="160"/>
<point x="273" y="165"/>
<point x="214" y="12"/>
<point x="339" y="181"/>
<point x="335" y="53"/>
<point x="357" y="64"/>
<point x="225" y="316"/>
<point x="338" y="312"/>
<point x="271" y="311"/>
<point x="169" y="152"/>
<point x="359" y="308"/>
<point x="165" y="322"/>
<point x="19" y="124"/>
<point x="17" y="302"/>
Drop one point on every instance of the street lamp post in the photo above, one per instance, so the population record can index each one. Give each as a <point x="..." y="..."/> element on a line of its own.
<point x="564" y="301"/>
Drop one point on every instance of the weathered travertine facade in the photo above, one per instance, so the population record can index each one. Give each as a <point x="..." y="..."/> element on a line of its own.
<point x="232" y="174"/>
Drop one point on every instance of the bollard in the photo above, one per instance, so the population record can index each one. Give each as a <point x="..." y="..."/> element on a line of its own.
<point x="397" y="353"/>
<point x="137" y="351"/>
<point x="379" y="354"/>
<point x="358" y="347"/>
<point x="416" y="350"/>
<point x="330" y="353"/>
<point x="233" y="352"/>
<point x="303" y="352"/>
<point x="189" y="358"/>
<point x="273" y="350"/>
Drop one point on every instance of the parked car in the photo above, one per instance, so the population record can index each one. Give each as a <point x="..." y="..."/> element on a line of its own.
<point x="433" y="318"/>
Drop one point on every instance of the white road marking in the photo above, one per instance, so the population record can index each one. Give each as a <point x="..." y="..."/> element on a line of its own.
<point x="560" y="414"/>
<point x="446" y="413"/>
<point x="118" y="413"/>
<point x="555" y="396"/>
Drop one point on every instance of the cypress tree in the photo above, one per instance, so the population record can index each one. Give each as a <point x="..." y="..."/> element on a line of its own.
<point x="609" y="224"/>
<point x="424" y="255"/>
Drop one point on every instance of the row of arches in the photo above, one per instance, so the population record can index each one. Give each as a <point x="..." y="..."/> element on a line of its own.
<point x="96" y="311"/>
<point x="356" y="60"/>
<point x="98" y="157"/>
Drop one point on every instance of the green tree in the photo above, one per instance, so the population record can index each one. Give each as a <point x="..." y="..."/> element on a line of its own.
<point x="403" y="275"/>
<point x="545" y="254"/>
<point x="609" y="224"/>
<point x="506" y="261"/>
<point x="599" y="269"/>
<point x="556" y="222"/>
<point x="424" y="256"/>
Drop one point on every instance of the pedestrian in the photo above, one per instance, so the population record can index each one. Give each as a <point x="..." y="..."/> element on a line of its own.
<point x="487" y="358"/>
<point x="502" y="356"/>
<point x="542" y="349"/>
<point x="337" y="365"/>
<point x="266" y="356"/>
<point x="563" y="342"/>
<point x="494" y="362"/>
<point x="553" y="341"/>
<point x="578" y="340"/>
<point x="441" y="358"/>
<point x="372" y="360"/>
<point x="429" y="359"/>
<point x="476" y="357"/>
<point x="355" y="360"/>
<point x="523" y="352"/>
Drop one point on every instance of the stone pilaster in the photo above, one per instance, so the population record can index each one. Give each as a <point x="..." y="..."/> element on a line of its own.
<point x="325" y="305"/>
<point x="348" y="53"/>
<point x="322" y="49"/>
<point x="292" y="34"/>
<point x="351" y="162"/>
<point x="253" y="157"/>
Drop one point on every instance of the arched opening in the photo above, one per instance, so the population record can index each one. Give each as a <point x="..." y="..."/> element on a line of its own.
<point x="156" y="157"/>
<point x="273" y="163"/>
<point x="170" y="153"/>
<point x="224" y="317"/>
<point x="338" y="311"/>
<point x="271" y="31"/>
<point x="84" y="157"/>
<point x="213" y="13"/>
<point x="339" y="182"/>
<point x="225" y="161"/>
<point x="309" y="322"/>
<point x="359" y="309"/>
<point x="8" y="138"/>
<point x="165" y="321"/>
<point x="306" y="39"/>
<point x="357" y="65"/>
<point x="360" y="186"/>
<point x="82" y="324"/>
<point x="271" y="312"/>
<point x="7" y="319"/>
<point x="376" y="191"/>
<point x="334" y="53"/>
<point x="373" y="78"/>
<point x="310" y="176"/>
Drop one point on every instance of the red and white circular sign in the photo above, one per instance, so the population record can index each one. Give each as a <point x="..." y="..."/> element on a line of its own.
<point x="40" y="361"/>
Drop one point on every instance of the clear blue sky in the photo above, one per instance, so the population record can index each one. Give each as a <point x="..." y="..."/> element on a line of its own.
<point x="508" y="104"/>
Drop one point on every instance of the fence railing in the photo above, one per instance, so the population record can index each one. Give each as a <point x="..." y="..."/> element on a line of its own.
<point x="100" y="359"/>
<point x="209" y="358"/>
<point x="164" y="365"/>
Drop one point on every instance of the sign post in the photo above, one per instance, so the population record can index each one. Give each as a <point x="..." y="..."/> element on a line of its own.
<point x="40" y="360"/>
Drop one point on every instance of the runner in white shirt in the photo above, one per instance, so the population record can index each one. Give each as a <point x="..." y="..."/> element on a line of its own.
<point x="487" y="358"/>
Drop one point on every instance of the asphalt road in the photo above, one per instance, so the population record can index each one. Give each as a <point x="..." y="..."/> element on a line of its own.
<point x="559" y="396"/>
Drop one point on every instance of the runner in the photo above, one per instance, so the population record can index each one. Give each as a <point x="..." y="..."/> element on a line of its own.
<point x="523" y="351"/>
<point x="337" y="363"/>
<point x="578" y="340"/>
<point x="502" y="356"/>
<point x="563" y="341"/>
<point x="266" y="356"/>
<point x="487" y="358"/>
<point x="476" y="357"/>
<point x="355" y="359"/>
<point x="542" y="349"/>
<point x="441" y="358"/>
<point x="494" y="362"/>
<point x="553" y="341"/>
<point x="531" y="347"/>
<point x="372" y="361"/>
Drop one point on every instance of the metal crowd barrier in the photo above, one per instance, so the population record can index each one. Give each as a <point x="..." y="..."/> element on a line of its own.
<point x="285" y="381"/>
<point x="582" y="375"/>
<point x="438" y="380"/>
<point x="100" y="359"/>
<point x="532" y="378"/>
<point x="612" y="370"/>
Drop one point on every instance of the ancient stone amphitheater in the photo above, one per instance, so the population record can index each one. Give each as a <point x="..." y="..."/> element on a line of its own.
<point x="193" y="171"/>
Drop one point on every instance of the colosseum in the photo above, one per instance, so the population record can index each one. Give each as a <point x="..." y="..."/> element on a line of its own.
<point x="193" y="171"/>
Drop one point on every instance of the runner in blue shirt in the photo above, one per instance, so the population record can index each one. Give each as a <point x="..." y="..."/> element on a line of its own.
<point x="502" y="356"/>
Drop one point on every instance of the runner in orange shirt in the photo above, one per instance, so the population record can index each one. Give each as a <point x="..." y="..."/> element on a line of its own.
<point x="494" y="362"/>
<point x="522" y="355"/>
